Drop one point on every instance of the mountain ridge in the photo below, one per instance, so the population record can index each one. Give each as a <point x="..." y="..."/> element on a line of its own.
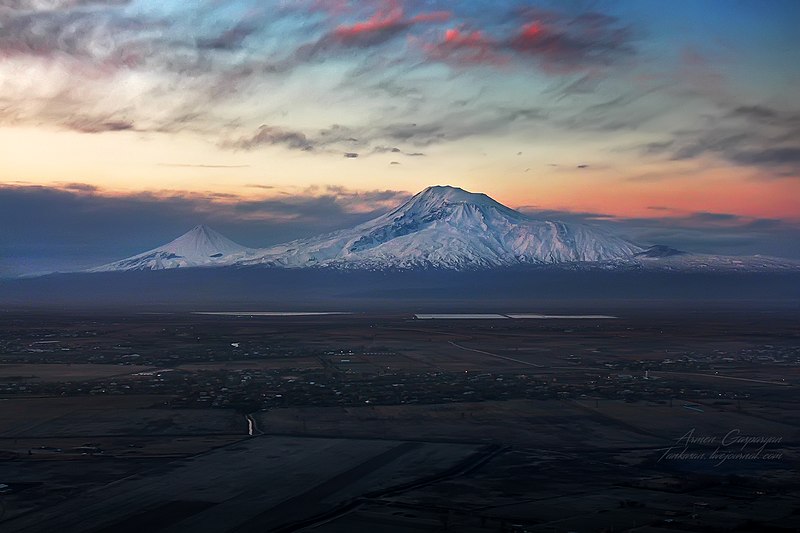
<point x="441" y="227"/>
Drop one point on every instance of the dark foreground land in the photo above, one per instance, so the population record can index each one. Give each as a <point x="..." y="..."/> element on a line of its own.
<point x="657" y="420"/>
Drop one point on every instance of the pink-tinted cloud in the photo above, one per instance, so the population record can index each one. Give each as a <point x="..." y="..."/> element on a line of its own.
<point x="469" y="47"/>
<point x="558" y="44"/>
<point x="389" y="21"/>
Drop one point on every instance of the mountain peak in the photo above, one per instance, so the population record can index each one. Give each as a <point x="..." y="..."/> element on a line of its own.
<point x="435" y="198"/>
<point x="200" y="246"/>
<point x="201" y="231"/>
<point x="443" y="190"/>
<point x="202" y="241"/>
<point x="448" y="193"/>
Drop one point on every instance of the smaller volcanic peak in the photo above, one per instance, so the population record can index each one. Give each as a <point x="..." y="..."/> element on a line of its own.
<point x="200" y="246"/>
<point x="202" y="241"/>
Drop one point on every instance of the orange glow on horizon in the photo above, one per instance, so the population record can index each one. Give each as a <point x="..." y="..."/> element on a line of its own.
<point x="129" y="163"/>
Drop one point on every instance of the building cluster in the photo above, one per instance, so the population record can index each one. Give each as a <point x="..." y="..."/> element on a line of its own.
<point x="358" y="375"/>
<point x="252" y="389"/>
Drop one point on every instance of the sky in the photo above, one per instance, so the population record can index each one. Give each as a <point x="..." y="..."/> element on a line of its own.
<point x="123" y="123"/>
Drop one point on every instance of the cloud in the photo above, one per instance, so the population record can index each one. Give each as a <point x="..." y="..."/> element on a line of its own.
<point x="99" y="34"/>
<point x="452" y="126"/>
<point x="103" y="67"/>
<point x="377" y="138"/>
<point x="92" y="67"/>
<point x="628" y="110"/>
<point x="230" y="39"/>
<point x="697" y="232"/>
<point x="557" y="42"/>
<point x="395" y="150"/>
<point x="387" y="23"/>
<point x="420" y="134"/>
<point x="325" y="141"/>
<point x="754" y="136"/>
<point x="584" y="84"/>
<point x="53" y="5"/>
<point x="163" y="70"/>
<point x="719" y="233"/>
<point x="218" y="69"/>
<point x="95" y="125"/>
<point x="78" y="187"/>
<point x="271" y="136"/>
<point x="386" y="149"/>
<point x="701" y="72"/>
<point x="380" y="139"/>
<point x="779" y="157"/>
<point x="467" y="47"/>
<point x="332" y="7"/>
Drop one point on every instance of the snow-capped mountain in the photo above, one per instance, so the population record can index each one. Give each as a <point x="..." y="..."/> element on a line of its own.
<point x="200" y="246"/>
<point x="443" y="227"/>
<point x="448" y="227"/>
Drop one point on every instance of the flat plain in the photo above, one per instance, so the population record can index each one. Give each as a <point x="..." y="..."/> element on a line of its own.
<point x="655" y="420"/>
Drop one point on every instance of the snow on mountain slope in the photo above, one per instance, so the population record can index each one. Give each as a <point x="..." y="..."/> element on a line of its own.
<point x="448" y="227"/>
<point x="686" y="262"/>
<point x="200" y="246"/>
<point x="445" y="228"/>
